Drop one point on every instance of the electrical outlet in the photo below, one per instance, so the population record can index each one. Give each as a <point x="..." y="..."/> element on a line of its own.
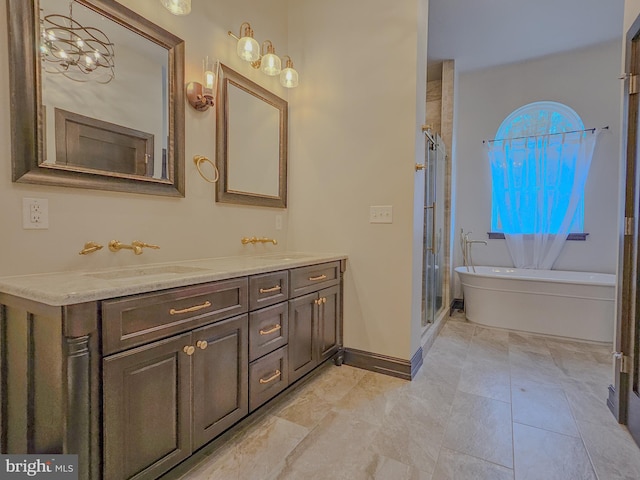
<point x="381" y="214"/>
<point x="35" y="213"/>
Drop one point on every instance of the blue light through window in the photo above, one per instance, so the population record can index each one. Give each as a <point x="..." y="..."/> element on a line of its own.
<point x="537" y="118"/>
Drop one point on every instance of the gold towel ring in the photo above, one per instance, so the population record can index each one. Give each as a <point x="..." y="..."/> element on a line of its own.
<point x="198" y="159"/>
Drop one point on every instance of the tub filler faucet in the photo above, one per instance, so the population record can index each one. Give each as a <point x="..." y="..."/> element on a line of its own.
<point x="465" y="244"/>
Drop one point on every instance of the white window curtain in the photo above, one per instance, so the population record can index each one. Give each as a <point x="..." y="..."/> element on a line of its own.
<point x="538" y="183"/>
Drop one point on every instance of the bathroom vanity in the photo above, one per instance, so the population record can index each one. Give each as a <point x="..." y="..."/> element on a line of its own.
<point x="137" y="368"/>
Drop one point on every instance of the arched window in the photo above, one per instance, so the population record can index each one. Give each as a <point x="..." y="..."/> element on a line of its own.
<point x="529" y="123"/>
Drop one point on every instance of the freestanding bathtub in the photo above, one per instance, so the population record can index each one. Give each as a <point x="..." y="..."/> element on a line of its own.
<point x="577" y="305"/>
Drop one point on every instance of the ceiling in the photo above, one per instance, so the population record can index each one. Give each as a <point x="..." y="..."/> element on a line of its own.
<point x="486" y="33"/>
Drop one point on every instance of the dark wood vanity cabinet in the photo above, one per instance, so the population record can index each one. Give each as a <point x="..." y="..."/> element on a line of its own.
<point x="147" y="409"/>
<point x="314" y="318"/>
<point x="138" y="383"/>
<point x="166" y="399"/>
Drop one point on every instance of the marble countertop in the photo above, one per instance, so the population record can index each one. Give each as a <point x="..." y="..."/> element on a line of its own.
<point x="67" y="288"/>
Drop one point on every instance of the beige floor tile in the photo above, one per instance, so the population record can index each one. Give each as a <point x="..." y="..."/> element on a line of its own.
<point x="544" y="455"/>
<point x="337" y="449"/>
<point x="489" y="344"/>
<point x="584" y="365"/>
<point x="255" y="454"/>
<point x="613" y="452"/>
<point x="536" y="367"/>
<point x="480" y="427"/>
<point x="588" y="402"/>
<point x="486" y="378"/>
<point x="458" y="466"/>
<point x="529" y="343"/>
<point x="542" y="406"/>
<point x="412" y="433"/>
<point x="373" y="397"/>
<point x="305" y="409"/>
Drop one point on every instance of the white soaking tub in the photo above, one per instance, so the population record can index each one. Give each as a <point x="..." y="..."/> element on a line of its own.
<point x="577" y="305"/>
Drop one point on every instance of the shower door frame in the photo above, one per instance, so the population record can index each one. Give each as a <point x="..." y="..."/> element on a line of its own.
<point x="624" y="395"/>
<point x="430" y="248"/>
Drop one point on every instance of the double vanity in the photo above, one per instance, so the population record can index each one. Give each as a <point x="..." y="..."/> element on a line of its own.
<point x="135" y="369"/>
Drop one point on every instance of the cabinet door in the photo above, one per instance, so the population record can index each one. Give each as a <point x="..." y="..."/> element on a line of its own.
<point x="220" y="377"/>
<point x="329" y="323"/>
<point x="147" y="409"/>
<point x="303" y="357"/>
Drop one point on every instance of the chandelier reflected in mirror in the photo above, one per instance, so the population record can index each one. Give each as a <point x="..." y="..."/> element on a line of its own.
<point x="77" y="52"/>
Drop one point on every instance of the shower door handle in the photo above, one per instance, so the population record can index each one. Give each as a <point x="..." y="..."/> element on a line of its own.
<point x="432" y="207"/>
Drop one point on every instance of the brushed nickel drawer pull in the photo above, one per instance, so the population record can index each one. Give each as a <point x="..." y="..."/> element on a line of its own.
<point x="321" y="277"/>
<point x="277" y="288"/>
<point x="275" y="375"/>
<point x="206" y="304"/>
<point x="271" y="330"/>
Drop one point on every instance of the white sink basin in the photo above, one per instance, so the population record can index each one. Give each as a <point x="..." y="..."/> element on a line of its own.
<point x="126" y="274"/>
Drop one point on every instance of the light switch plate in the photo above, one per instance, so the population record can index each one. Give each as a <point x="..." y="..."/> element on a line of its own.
<point x="381" y="214"/>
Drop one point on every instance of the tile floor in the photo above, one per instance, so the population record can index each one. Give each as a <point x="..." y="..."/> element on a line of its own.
<point x="487" y="404"/>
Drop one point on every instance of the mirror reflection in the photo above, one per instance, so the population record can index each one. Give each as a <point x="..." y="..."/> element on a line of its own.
<point x="104" y="107"/>
<point x="96" y="125"/>
<point x="251" y="142"/>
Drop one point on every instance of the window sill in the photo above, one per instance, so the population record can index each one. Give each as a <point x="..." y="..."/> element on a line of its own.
<point x="581" y="237"/>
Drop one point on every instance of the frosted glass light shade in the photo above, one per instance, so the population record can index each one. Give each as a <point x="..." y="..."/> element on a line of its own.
<point x="271" y="64"/>
<point x="289" y="78"/>
<point x="248" y="49"/>
<point x="177" y="7"/>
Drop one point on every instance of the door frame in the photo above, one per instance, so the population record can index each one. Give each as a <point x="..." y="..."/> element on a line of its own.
<point x="627" y="290"/>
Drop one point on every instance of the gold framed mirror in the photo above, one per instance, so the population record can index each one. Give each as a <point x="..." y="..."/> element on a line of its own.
<point x="251" y="142"/>
<point x="122" y="131"/>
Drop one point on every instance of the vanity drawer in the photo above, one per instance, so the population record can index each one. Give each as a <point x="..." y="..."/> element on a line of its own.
<point x="268" y="330"/>
<point x="268" y="377"/>
<point x="314" y="277"/>
<point x="268" y="289"/>
<point x="139" y="319"/>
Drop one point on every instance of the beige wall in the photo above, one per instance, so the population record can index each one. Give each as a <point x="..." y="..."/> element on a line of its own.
<point x="631" y="12"/>
<point x="354" y="137"/>
<point x="186" y="228"/>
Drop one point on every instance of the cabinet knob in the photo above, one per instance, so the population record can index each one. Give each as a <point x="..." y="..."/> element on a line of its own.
<point x="324" y="299"/>
<point x="317" y="301"/>
<point x="189" y="349"/>
<point x="202" y="344"/>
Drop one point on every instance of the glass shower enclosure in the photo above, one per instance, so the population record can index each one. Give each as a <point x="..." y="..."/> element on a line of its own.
<point x="432" y="243"/>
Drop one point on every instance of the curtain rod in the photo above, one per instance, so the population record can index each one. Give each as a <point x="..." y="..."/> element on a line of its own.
<point x="544" y="134"/>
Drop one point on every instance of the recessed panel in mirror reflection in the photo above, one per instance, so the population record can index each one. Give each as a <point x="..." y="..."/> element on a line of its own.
<point x="75" y="124"/>
<point x="254" y="144"/>
<point x="108" y="116"/>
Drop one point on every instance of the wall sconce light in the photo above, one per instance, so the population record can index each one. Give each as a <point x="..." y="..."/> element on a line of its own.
<point x="177" y="7"/>
<point x="248" y="47"/>
<point x="289" y="76"/>
<point x="201" y="96"/>
<point x="269" y="63"/>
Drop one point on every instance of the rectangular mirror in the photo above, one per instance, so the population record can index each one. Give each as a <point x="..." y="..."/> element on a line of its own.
<point x="97" y="97"/>
<point x="251" y="136"/>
